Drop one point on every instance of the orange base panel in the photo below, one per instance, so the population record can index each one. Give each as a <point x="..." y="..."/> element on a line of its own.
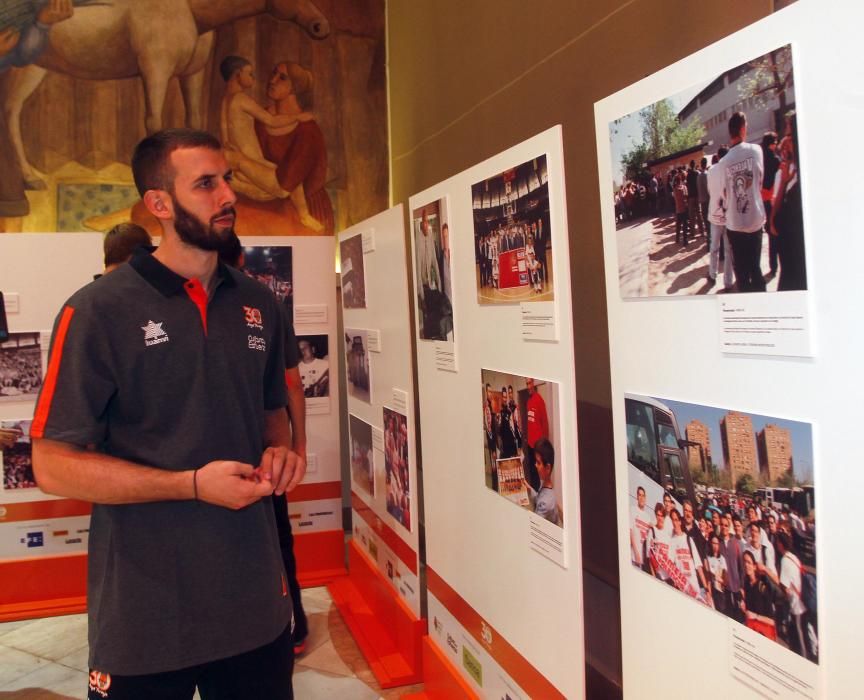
<point x="384" y="627"/>
<point x="43" y="587"/>
<point x="320" y="557"/>
<point x="441" y="679"/>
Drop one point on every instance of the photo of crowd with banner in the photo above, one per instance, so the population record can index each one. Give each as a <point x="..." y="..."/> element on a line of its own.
<point x="20" y="367"/>
<point x="722" y="508"/>
<point x="707" y="186"/>
<point x="396" y="466"/>
<point x="512" y="238"/>
<point x="521" y="442"/>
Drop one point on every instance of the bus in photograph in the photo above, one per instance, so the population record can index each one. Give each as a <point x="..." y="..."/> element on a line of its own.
<point x="656" y="453"/>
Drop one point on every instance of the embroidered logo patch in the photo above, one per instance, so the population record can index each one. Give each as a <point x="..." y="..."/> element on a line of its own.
<point x="253" y="318"/>
<point x="153" y="334"/>
<point x="100" y="682"/>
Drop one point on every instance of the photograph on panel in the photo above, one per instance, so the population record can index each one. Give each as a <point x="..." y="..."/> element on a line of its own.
<point x="357" y="364"/>
<point x="21" y="367"/>
<point x="707" y="186"/>
<point x="722" y="508"/>
<point x="432" y="264"/>
<point x="272" y="267"/>
<point x="314" y="365"/>
<point x="352" y="272"/>
<point x="16" y="458"/>
<point x="362" y="460"/>
<point x="397" y="467"/>
<point x="522" y="442"/>
<point x="512" y="236"/>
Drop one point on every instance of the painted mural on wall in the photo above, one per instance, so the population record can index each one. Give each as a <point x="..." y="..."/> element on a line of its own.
<point x="295" y="89"/>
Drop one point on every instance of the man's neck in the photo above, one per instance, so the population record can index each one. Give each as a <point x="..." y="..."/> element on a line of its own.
<point x="186" y="260"/>
<point x="735" y="140"/>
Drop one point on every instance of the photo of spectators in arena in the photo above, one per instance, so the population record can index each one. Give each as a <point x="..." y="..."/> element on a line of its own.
<point x="521" y="442"/>
<point x="396" y="466"/>
<point x="314" y="365"/>
<point x="16" y="459"/>
<point x="357" y="363"/>
<point x="362" y="459"/>
<point x="20" y="367"/>
<point x="707" y="186"/>
<point x="722" y="508"/>
<point x="272" y="266"/>
<point x="433" y="271"/>
<point x="352" y="272"/>
<point x="512" y="236"/>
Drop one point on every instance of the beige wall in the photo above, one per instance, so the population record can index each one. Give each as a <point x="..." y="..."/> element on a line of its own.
<point x="470" y="78"/>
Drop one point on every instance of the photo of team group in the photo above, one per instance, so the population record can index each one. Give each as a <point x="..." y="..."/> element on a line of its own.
<point x="521" y="443"/>
<point x="352" y="272"/>
<point x="707" y="186"/>
<point x="314" y="365"/>
<point x="359" y="373"/>
<point x="16" y="460"/>
<point x="512" y="236"/>
<point x="396" y="466"/>
<point x="20" y="367"/>
<point x="722" y="508"/>
<point x="433" y="271"/>
<point x="362" y="459"/>
<point x="272" y="266"/>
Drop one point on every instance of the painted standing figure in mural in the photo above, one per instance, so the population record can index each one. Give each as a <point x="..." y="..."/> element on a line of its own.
<point x="299" y="152"/>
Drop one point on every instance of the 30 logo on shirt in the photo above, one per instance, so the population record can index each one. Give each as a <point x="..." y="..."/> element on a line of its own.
<point x="253" y="318"/>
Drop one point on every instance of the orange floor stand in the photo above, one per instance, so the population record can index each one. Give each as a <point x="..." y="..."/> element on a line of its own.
<point x="386" y="630"/>
<point x="43" y="587"/>
<point x="320" y="557"/>
<point x="441" y="679"/>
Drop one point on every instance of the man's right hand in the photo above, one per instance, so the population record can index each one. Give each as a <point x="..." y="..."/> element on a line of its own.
<point x="231" y="484"/>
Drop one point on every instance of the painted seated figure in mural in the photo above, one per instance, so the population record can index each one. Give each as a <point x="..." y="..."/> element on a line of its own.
<point x="299" y="152"/>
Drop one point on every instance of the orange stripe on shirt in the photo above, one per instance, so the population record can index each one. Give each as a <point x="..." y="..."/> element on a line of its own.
<point x="37" y="428"/>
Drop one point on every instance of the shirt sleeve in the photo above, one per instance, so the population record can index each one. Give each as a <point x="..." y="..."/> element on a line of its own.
<point x="79" y="383"/>
<point x="275" y="393"/>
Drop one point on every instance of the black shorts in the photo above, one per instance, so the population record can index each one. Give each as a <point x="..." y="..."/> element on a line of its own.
<point x="261" y="674"/>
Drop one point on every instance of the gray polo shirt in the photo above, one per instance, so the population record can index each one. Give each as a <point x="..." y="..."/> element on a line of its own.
<point x="143" y="366"/>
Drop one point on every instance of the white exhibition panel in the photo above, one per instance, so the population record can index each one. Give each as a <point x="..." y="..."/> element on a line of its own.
<point x="38" y="273"/>
<point x="477" y="541"/>
<point x="313" y="286"/>
<point x="392" y="386"/>
<point x="672" y="646"/>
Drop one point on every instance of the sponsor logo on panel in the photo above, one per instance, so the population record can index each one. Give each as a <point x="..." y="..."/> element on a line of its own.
<point x="472" y="665"/>
<point x="34" y="539"/>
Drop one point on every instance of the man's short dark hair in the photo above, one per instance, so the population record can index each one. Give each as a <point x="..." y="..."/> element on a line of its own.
<point x="122" y="240"/>
<point x="547" y="453"/>
<point x="230" y="65"/>
<point x="784" y="539"/>
<point x="722" y="151"/>
<point x="150" y="161"/>
<point x="736" y="123"/>
<point x="638" y="489"/>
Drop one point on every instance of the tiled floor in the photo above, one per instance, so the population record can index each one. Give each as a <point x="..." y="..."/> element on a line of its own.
<point x="46" y="659"/>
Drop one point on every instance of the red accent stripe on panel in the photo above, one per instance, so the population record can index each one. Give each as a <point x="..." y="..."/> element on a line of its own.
<point x="40" y="417"/>
<point x="198" y="295"/>
<point x="401" y="548"/>
<point x="43" y="510"/>
<point x="517" y="666"/>
<point x="316" y="492"/>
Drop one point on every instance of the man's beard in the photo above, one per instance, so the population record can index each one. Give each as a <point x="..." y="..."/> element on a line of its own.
<point x="192" y="230"/>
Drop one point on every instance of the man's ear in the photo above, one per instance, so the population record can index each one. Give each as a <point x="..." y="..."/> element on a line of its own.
<point x="158" y="203"/>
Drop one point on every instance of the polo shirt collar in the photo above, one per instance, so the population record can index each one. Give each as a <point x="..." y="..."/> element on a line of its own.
<point x="166" y="281"/>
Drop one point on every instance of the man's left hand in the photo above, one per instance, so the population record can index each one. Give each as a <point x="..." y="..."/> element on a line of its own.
<point x="282" y="468"/>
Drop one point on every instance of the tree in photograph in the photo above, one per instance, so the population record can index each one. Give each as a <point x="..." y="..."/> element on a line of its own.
<point x="770" y="77"/>
<point x="787" y="479"/>
<point x="746" y="485"/>
<point x="662" y="135"/>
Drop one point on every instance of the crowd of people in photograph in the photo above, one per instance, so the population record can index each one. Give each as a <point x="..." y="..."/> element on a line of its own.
<point x="528" y="235"/>
<point x="396" y="467"/>
<point x="746" y="191"/>
<point x="20" y="371"/>
<point x="18" y="467"/>
<point x="752" y="562"/>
